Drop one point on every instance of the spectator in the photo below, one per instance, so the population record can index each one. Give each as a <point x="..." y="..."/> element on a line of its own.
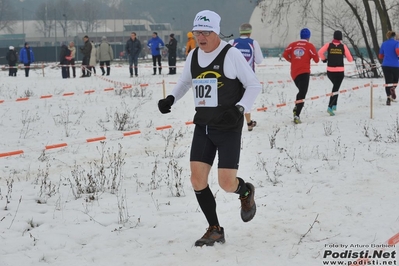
<point x="71" y="62"/>
<point x="93" y="58"/>
<point x="12" y="59"/>
<point x="172" y="49"/>
<point x="26" y="57"/>
<point x="191" y="44"/>
<point x="133" y="48"/>
<point x="336" y="51"/>
<point x="156" y="44"/>
<point x="64" y="60"/>
<point x="86" y="51"/>
<point x="105" y="55"/>
<point x="299" y="54"/>
<point x="250" y="49"/>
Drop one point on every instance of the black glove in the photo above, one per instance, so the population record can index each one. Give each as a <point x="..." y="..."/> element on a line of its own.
<point x="164" y="105"/>
<point x="325" y="60"/>
<point x="232" y="115"/>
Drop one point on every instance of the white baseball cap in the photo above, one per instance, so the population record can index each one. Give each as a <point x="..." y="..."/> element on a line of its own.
<point x="207" y="20"/>
<point x="11" y="48"/>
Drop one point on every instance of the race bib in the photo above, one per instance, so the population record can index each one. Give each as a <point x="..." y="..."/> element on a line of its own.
<point x="205" y="92"/>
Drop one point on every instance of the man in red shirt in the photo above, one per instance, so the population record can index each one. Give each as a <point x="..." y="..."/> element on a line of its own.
<point x="300" y="53"/>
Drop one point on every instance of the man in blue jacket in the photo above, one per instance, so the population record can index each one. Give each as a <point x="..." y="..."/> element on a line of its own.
<point x="156" y="44"/>
<point x="26" y="57"/>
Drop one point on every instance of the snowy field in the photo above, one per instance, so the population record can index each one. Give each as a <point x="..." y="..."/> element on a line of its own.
<point x="115" y="188"/>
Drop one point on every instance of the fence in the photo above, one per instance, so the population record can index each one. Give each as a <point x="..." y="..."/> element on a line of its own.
<point x="52" y="53"/>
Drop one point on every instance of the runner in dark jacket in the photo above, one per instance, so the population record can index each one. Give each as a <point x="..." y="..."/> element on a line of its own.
<point x="336" y="51"/>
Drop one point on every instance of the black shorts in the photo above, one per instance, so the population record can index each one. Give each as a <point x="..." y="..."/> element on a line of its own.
<point x="207" y="141"/>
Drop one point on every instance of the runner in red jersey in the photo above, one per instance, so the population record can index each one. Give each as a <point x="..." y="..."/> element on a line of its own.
<point x="300" y="53"/>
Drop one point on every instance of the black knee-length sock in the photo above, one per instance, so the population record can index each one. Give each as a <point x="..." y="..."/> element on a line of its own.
<point x="207" y="203"/>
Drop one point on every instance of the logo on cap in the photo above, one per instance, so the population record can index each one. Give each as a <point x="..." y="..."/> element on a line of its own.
<point x="203" y="18"/>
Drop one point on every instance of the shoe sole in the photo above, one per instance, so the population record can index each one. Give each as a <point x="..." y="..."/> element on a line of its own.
<point x="221" y="241"/>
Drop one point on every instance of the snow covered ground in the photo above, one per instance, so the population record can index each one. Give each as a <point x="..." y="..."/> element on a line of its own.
<point x="126" y="199"/>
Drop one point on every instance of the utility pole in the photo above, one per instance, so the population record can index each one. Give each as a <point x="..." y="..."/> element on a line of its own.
<point x="66" y="26"/>
<point x="23" y="20"/>
<point x="322" y="23"/>
<point x="55" y="34"/>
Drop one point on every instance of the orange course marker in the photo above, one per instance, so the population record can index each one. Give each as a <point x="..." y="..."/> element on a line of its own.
<point x="96" y="139"/>
<point x="11" y="153"/>
<point x="54" y="146"/>
<point x="393" y="240"/>
<point x="163" y="127"/>
<point x="22" y="99"/>
<point x="131" y="133"/>
<point x="46" y="96"/>
<point x="261" y="109"/>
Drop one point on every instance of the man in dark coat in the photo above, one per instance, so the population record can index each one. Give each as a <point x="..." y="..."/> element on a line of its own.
<point x="133" y="48"/>
<point x="172" y="49"/>
<point x="64" y="60"/>
<point x="86" y="51"/>
<point x="12" y="59"/>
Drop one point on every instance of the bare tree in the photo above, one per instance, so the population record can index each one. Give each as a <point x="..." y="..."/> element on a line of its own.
<point x="45" y="15"/>
<point x="65" y="14"/>
<point x="7" y="13"/>
<point x="279" y="15"/>
<point x="87" y="15"/>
